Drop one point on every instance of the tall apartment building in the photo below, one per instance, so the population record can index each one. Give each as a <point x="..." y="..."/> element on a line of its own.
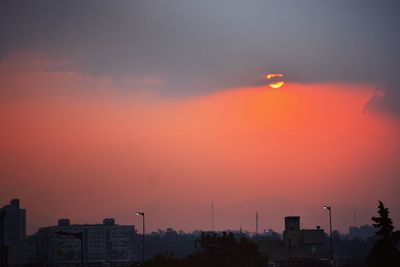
<point x="105" y="243"/>
<point x="13" y="234"/>
<point x="13" y="225"/>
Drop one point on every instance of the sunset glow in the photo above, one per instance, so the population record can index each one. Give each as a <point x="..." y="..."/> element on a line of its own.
<point x="237" y="143"/>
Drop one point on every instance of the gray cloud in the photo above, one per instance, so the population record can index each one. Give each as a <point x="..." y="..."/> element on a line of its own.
<point x="200" y="46"/>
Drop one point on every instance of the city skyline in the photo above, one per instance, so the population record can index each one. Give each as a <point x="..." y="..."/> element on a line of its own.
<point x="108" y="109"/>
<point x="15" y="223"/>
<point x="246" y="224"/>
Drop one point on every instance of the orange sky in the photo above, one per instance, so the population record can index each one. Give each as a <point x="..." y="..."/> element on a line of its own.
<point x="81" y="147"/>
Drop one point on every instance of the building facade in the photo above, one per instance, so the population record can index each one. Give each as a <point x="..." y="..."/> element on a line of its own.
<point x="106" y="243"/>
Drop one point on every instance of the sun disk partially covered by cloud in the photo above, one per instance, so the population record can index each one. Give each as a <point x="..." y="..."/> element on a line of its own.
<point x="275" y="80"/>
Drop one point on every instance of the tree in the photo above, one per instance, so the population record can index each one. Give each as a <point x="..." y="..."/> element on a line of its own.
<point x="214" y="250"/>
<point x="385" y="251"/>
<point x="384" y="223"/>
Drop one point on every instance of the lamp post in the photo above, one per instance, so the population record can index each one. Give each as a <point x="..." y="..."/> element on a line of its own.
<point x="329" y="208"/>
<point x="141" y="213"/>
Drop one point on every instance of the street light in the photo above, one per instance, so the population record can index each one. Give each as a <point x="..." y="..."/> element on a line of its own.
<point x="141" y="213"/>
<point x="329" y="208"/>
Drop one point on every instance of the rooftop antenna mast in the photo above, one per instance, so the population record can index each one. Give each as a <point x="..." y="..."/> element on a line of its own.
<point x="212" y="216"/>
<point x="355" y="218"/>
<point x="256" y="223"/>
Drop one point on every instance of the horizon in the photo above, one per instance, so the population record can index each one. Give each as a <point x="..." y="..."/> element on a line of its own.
<point x="242" y="226"/>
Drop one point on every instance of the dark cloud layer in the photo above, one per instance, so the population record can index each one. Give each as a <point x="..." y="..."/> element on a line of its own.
<point x="198" y="46"/>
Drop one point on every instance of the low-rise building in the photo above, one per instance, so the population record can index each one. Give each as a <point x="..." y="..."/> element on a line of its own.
<point x="296" y="244"/>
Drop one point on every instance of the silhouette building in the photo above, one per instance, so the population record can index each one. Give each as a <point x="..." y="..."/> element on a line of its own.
<point x="297" y="243"/>
<point x="13" y="223"/>
<point x="107" y="243"/>
<point x="13" y="234"/>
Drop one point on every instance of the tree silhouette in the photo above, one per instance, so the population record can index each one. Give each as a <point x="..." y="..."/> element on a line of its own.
<point x="385" y="251"/>
<point x="384" y="223"/>
<point x="214" y="250"/>
<point x="226" y="250"/>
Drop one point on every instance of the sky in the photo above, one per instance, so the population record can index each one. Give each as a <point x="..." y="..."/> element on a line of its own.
<point x="110" y="107"/>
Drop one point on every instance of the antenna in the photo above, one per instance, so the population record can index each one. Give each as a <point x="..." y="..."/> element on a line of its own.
<point x="212" y="216"/>
<point x="256" y="223"/>
<point x="355" y="218"/>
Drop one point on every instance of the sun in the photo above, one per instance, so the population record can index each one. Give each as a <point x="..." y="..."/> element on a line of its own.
<point x="276" y="85"/>
<point x="275" y="80"/>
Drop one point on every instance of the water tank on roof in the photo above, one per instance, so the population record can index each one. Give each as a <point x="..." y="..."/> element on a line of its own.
<point x="109" y="221"/>
<point x="63" y="222"/>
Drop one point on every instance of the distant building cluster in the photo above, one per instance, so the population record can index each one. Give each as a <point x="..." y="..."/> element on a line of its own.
<point x="363" y="232"/>
<point x="64" y="244"/>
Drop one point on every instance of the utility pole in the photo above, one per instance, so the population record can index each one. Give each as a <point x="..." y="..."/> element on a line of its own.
<point x="329" y="208"/>
<point x="141" y="213"/>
